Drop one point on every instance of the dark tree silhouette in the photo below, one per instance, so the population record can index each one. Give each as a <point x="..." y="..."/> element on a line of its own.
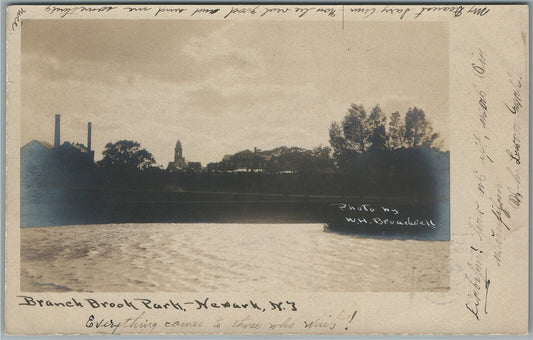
<point x="300" y="160"/>
<point x="126" y="154"/>
<point x="378" y="139"/>
<point x="396" y="138"/>
<point x="356" y="129"/>
<point x="337" y="140"/>
<point x="418" y="130"/>
<point x="358" y="132"/>
<point x="376" y="119"/>
<point x="378" y="136"/>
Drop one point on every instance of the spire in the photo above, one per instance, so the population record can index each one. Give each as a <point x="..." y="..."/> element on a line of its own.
<point x="178" y="151"/>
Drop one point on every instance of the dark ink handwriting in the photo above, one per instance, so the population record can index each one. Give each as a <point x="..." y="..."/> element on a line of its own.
<point x="516" y="106"/>
<point x="69" y="10"/>
<point x="482" y="143"/>
<point x="515" y="153"/>
<point x="205" y="11"/>
<point x="137" y="9"/>
<point x="30" y="301"/>
<point x="400" y="11"/>
<point x="148" y="304"/>
<point x="303" y="10"/>
<point x="487" y="284"/>
<point x="455" y="10"/>
<point x="103" y="323"/>
<point x="480" y="182"/>
<point x="329" y="11"/>
<point x="365" y="11"/>
<point x="482" y="108"/>
<point x="168" y="304"/>
<point x="498" y="209"/>
<point x="478" y="11"/>
<point x="514" y="198"/>
<point x="18" y="19"/>
<point x="275" y="10"/>
<point x="169" y="10"/>
<point x="242" y="10"/>
<point x="280" y="306"/>
<point x="480" y="64"/>
<point x="475" y="281"/>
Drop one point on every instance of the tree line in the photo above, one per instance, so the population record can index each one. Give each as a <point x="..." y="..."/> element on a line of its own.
<point x="359" y="134"/>
<point x="362" y="132"/>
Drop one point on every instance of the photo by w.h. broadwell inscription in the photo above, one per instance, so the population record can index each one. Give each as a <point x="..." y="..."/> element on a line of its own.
<point x="267" y="169"/>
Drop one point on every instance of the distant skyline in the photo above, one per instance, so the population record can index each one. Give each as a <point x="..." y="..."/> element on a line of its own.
<point x="224" y="86"/>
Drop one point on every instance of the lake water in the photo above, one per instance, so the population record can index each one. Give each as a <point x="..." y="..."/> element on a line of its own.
<point x="225" y="257"/>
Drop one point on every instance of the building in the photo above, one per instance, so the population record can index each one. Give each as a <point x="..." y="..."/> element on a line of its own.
<point x="41" y="161"/>
<point x="39" y="153"/>
<point x="247" y="160"/>
<point x="36" y="160"/>
<point x="179" y="163"/>
<point x="195" y="167"/>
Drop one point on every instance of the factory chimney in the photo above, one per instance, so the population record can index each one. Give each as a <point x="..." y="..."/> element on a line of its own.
<point x="56" y="137"/>
<point x="89" y="125"/>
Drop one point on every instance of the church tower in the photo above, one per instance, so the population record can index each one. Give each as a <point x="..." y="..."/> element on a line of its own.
<point x="179" y="162"/>
<point x="177" y="152"/>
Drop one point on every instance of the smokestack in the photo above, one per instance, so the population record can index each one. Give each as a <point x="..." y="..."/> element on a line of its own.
<point x="56" y="137"/>
<point x="89" y="136"/>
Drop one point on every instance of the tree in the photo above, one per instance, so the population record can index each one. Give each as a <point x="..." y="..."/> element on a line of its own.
<point x="358" y="132"/>
<point x="378" y="139"/>
<point x="376" y="124"/>
<point x="376" y="119"/>
<point x="396" y="131"/>
<point x="337" y="140"/>
<point x="418" y="130"/>
<point x="300" y="160"/>
<point x="356" y="129"/>
<point x="322" y="160"/>
<point x="126" y="154"/>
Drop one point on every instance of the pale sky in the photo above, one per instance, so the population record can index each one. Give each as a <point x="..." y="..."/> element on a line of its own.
<point x="224" y="86"/>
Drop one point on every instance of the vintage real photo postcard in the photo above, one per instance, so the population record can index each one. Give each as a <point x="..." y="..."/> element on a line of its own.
<point x="267" y="169"/>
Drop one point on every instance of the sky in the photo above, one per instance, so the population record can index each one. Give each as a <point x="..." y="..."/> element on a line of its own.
<point x="224" y="86"/>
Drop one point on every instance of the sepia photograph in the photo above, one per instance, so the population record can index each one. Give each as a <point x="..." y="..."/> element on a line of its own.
<point x="183" y="156"/>
<point x="267" y="169"/>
